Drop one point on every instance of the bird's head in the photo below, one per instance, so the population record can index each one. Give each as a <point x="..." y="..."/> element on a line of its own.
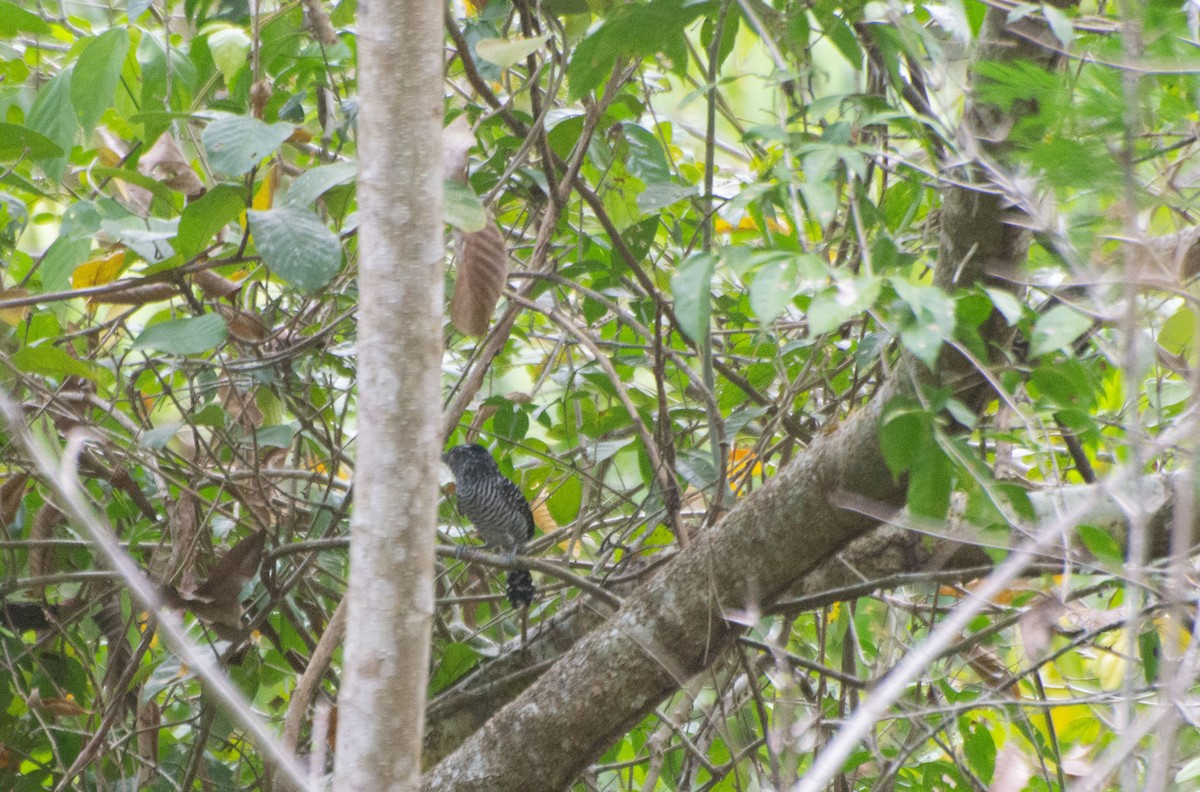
<point x="469" y="457"/>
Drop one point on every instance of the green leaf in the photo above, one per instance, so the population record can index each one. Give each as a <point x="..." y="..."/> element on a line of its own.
<point x="297" y="246"/>
<point x="136" y="8"/>
<point x="51" y="361"/>
<point x="1101" y="545"/>
<point x="278" y="436"/>
<point x="53" y="116"/>
<point x="15" y="20"/>
<point x="154" y="186"/>
<point x="564" y="501"/>
<point x="204" y="217"/>
<point x="96" y="74"/>
<point x="632" y="29"/>
<point x="840" y="34"/>
<point x="191" y="336"/>
<point x="904" y="431"/>
<point x="1189" y="771"/>
<point x="1150" y="651"/>
<point x="235" y="144"/>
<point x="923" y="341"/>
<point x="930" y="482"/>
<point x="230" y="47"/>
<point x="157" y="438"/>
<point x="62" y="257"/>
<point x="462" y="208"/>
<point x="773" y="288"/>
<point x="691" y="287"/>
<point x="830" y="309"/>
<point x="980" y="750"/>
<point x="312" y="184"/>
<point x="1057" y="330"/>
<point x="18" y="141"/>
<point x="1006" y="304"/>
<point x="1178" y="334"/>
<point x="456" y="660"/>
<point x="509" y="52"/>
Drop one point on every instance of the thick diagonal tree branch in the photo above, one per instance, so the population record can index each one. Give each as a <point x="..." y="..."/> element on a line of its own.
<point x="675" y="624"/>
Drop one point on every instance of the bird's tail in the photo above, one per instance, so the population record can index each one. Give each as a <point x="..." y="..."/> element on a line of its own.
<point x="520" y="588"/>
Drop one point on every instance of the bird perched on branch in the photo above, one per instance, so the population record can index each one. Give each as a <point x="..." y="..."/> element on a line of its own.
<point x="497" y="509"/>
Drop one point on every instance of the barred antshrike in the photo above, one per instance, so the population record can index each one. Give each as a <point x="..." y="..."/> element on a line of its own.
<point x="496" y="508"/>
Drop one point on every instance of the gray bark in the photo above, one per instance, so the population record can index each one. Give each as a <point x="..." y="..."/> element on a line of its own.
<point x="391" y="597"/>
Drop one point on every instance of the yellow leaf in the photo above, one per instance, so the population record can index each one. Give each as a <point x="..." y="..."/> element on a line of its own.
<point x="14" y="316"/>
<point x="541" y="514"/>
<point x="1112" y="665"/>
<point x="265" y="197"/>
<point x="99" y="271"/>
<point x="1174" y="636"/>
<point x="743" y="465"/>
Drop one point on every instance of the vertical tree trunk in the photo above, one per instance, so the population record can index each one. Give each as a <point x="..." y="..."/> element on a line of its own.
<point x="382" y="699"/>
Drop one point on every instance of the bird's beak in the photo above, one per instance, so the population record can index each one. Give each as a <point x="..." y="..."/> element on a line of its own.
<point x="446" y="457"/>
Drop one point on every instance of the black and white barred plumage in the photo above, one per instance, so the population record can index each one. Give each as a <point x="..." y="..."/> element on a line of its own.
<point x="497" y="509"/>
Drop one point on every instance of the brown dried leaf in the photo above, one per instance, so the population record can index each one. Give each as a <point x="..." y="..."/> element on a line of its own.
<point x="481" y="415"/>
<point x="216" y="599"/>
<point x="59" y="707"/>
<point x="183" y="522"/>
<point x="1038" y="624"/>
<point x="166" y="163"/>
<point x="241" y="406"/>
<point x="41" y="557"/>
<point x="112" y="153"/>
<point x="482" y="272"/>
<point x="991" y="670"/>
<point x="214" y="285"/>
<point x="12" y="492"/>
<point x="260" y="94"/>
<point x="318" y="22"/>
<point x="243" y="325"/>
<point x="149" y="721"/>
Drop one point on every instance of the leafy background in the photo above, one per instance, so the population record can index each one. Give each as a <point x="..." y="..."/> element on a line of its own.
<point x="721" y="220"/>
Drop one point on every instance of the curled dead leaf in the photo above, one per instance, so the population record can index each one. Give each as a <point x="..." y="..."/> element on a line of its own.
<point x="12" y="492"/>
<point x="214" y="285"/>
<point x="260" y="93"/>
<point x="241" y="406"/>
<point x="166" y="163"/>
<point x="481" y="415"/>
<point x="243" y="325"/>
<point x="59" y="707"/>
<point x="482" y="272"/>
<point x="217" y="600"/>
<point x="41" y="557"/>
